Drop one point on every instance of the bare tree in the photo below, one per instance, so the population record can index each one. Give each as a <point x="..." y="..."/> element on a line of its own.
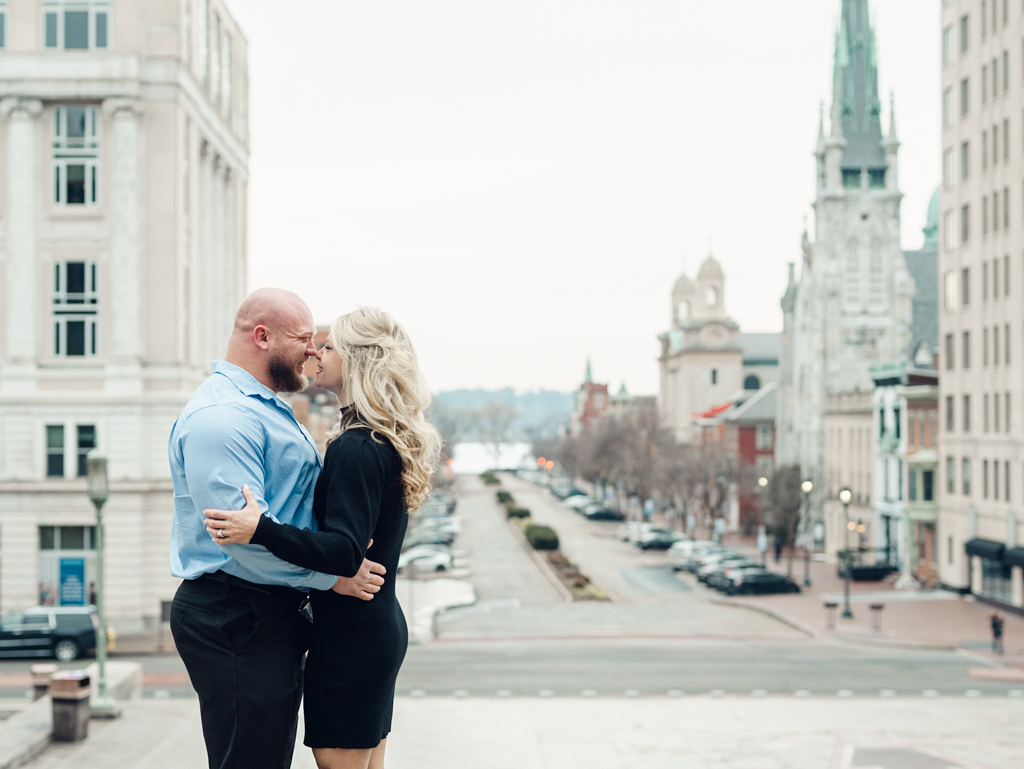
<point x="494" y="423"/>
<point x="784" y="501"/>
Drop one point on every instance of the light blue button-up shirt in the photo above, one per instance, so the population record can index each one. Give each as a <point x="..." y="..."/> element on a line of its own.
<point x="236" y="431"/>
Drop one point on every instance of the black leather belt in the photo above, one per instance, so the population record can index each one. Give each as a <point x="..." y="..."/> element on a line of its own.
<point x="289" y="595"/>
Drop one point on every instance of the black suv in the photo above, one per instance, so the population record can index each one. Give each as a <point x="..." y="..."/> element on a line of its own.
<point x="64" y="632"/>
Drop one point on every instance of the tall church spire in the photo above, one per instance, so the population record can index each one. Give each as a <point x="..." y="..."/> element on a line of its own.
<point x="855" y="88"/>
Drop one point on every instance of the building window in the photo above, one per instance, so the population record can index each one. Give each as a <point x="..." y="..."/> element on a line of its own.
<point x="949" y="414"/>
<point x="984" y="83"/>
<point x="1006" y="275"/>
<point x="1006" y="481"/>
<point x="912" y="485"/>
<point x="947" y="46"/>
<point x="995" y="278"/>
<point x="67" y="537"/>
<point x="995" y="345"/>
<point x="75" y="156"/>
<point x="984" y="216"/>
<point x="1006" y="344"/>
<point x="967" y="413"/>
<point x="965" y="222"/>
<point x="928" y="485"/>
<point x="950" y="475"/>
<point x="949" y="352"/>
<point x="965" y="97"/>
<point x="995" y="78"/>
<point x="984" y="409"/>
<point x="1006" y="71"/>
<point x="947" y="107"/>
<point x="995" y="415"/>
<point x="764" y="437"/>
<point x="76" y="25"/>
<point x="965" y="159"/>
<point x="1006" y="411"/>
<point x="3" y="25"/>
<point x="947" y="168"/>
<point x="995" y="479"/>
<point x="984" y="17"/>
<point x="950" y="290"/>
<point x="752" y="382"/>
<point x="948" y="233"/>
<point x="984" y="347"/>
<point x="964" y="36"/>
<point x="225" y="69"/>
<point x="75" y="300"/>
<point x="996" y="582"/>
<point x="55" y="451"/>
<point x="965" y="473"/>
<point x="215" y="62"/>
<point x="965" y="353"/>
<point x="1006" y="141"/>
<point x="1006" y="207"/>
<point x="86" y="442"/>
<point x="995" y="211"/>
<point x="965" y="286"/>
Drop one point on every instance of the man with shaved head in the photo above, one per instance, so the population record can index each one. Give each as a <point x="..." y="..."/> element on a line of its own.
<point x="238" y="617"/>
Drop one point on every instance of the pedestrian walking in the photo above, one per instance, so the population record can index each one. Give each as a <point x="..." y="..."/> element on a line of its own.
<point x="997" y="622"/>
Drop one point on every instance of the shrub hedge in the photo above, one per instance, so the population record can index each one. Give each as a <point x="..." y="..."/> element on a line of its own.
<point x="518" y="512"/>
<point x="541" y="537"/>
<point x="504" y="497"/>
<point x="490" y="478"/>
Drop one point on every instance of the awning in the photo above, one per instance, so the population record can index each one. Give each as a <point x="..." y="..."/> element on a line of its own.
<point x="986" y="548"/>
<point x="1014" y="556"/>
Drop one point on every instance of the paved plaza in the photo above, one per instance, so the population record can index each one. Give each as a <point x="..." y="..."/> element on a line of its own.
<point x="617" y="733"/>
<point x="668" y="674"/>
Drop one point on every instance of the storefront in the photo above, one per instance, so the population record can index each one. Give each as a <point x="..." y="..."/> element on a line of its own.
<point x="67" y="565"/>
<point x="997" y="572"/>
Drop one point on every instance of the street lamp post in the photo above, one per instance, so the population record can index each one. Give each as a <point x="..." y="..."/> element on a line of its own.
<point x="103" y="705"/>
<point x="845" y="495"/>
<point x="807" y="487"/>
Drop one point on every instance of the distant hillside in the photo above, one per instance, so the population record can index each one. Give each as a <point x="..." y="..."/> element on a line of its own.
<point x="539" y="413"/>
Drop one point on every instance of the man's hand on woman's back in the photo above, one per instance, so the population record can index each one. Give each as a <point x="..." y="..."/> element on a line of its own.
<point x="364" y="584"/>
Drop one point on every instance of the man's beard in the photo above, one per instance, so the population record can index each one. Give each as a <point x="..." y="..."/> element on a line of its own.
<point x="283" y="376"/>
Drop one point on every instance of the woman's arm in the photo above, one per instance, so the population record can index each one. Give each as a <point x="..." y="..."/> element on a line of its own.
<point x="355" y="475"/>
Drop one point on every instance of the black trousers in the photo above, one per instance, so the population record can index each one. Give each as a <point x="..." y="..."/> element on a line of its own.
<point x="244" y="652"/>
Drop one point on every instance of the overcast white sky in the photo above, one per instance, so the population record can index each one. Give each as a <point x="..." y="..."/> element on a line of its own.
<point x="521" y="181"/>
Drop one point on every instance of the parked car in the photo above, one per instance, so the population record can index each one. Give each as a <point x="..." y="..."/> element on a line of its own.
<point x="721" y="565"/>
<point x="657" y="539"/>
<point x="602" y="514"/>
<point x="683" y="549"/>
<point x="64" y="632"/>
<point x="426" y="537"/>
<point x="426" y="559"/>
<point x="761" y="584"/>
<point x="701" y="558"/>
<point x="578" y="501"/>
<point x="443" y="525"/>
<point x="721" y="579"/>
<point x="630" y="531"/>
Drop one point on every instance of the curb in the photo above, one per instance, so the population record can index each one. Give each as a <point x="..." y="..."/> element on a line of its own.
<point x="542" y="564"/>
<point x="795" y="624"/>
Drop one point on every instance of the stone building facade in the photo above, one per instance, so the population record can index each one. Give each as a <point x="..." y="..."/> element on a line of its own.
<point x="123" y="186"/>
<point x="981" y="317"/>
<point x="851" y="306"/>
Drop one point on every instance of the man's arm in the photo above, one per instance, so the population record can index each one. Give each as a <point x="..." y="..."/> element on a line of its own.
<point x="222" y="448"/>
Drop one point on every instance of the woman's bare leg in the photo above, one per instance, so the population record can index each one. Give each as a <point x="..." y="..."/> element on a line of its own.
<point x="377" y="755"/>
<point x="338" y="758"/>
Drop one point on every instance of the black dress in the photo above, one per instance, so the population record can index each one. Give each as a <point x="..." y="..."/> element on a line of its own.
<point x="358" y="646"/>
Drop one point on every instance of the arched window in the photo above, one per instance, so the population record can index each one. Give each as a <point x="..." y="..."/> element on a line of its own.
<point x="752" y="383"/>
<point x="711" y="296"/>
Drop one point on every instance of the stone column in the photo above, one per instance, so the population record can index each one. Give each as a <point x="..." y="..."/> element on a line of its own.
<point x="123" y="308"/>
<point x="21" y="317"/>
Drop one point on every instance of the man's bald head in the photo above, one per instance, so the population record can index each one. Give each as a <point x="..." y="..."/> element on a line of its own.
<point x="273" y="338"/>
<point x="270" y="307"/>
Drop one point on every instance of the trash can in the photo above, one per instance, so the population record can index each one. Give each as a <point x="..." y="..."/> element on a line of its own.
<point x="41" y="678"/>
<point x="69" y="691"/>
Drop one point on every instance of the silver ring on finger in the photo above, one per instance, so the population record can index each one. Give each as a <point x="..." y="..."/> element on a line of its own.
<point x="221" y="534"/>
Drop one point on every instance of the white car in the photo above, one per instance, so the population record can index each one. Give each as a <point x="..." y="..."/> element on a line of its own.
<point x="578" y="502"/>
<point x="684" y="549"/>
<point x="425" y="559"/>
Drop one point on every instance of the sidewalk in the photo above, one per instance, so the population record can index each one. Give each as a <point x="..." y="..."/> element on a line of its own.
<point x="615" y="733"/>
<point x="928" y="618"/>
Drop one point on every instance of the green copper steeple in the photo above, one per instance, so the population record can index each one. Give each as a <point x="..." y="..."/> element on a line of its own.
<point x="855" y="88"/>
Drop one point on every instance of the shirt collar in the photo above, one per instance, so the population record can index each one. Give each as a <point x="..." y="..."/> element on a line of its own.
<point x="246" y="383"/>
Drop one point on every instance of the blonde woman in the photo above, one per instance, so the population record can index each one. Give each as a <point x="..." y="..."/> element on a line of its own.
<point x="378" y="465"/>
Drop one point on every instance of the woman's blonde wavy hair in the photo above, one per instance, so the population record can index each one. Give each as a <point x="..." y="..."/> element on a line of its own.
<point x="389" y="394"/>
